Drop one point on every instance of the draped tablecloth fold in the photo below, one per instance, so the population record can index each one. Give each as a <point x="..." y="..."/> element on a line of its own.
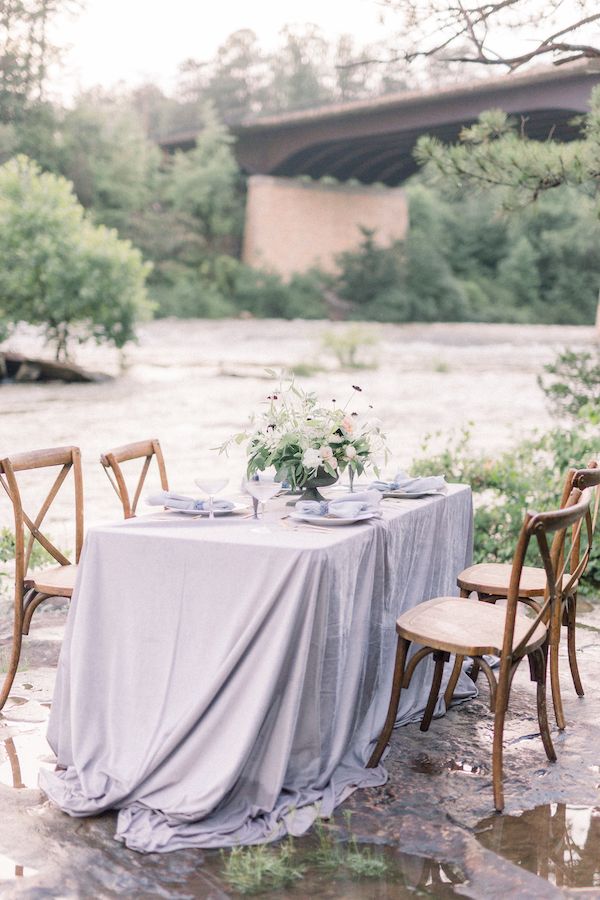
<point x="220" y="684"/>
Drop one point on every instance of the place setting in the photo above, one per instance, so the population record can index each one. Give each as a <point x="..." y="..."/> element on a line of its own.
<point x="349" y="509"/>
<point x="407" y="487"/>
<point x="209" y="509"/>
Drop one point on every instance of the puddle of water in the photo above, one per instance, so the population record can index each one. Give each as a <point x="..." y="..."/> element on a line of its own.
<point x="558" y="842"/>
<point x="21" y="758"/>
<point x="426" y="765"/>
<point x="10" y="869"/>
<point x="325" y="876"/>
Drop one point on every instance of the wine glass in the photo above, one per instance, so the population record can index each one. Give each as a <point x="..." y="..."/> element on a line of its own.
<point x="262" y="490"/>
<point x="211" y="486"/>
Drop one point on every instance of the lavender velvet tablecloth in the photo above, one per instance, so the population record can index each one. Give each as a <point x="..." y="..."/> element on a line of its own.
<point x="220" y="684"/>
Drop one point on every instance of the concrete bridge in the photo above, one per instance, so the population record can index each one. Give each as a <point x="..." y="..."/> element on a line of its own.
<point x="372" y="142"/>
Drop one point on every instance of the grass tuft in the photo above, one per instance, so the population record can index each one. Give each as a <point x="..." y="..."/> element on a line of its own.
<point x="255" y="870"/>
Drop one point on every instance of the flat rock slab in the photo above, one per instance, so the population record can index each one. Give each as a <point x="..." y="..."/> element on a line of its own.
<point x="26" y="370"/>
<point x="433" y="821"/>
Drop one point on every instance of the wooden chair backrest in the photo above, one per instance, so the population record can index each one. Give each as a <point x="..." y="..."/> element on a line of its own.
<point x="582" y="479"/>
<point x="590" y="478"/>
<point x="28" y="529"/>
<point x="111" y="462"/>
<point x="538" y="527"/>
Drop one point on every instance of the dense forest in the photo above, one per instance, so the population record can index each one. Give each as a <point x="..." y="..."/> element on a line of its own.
<point x="464" y="258"/>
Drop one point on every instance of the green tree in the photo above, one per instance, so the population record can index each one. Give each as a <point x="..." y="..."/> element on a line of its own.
<point x="298" y="70"/>
<point x="25" y="52"/>
<point x="58" y="270"/>
<point x="204" y="184"/>
<point x="105" y="153"/>
<point x="493" y="153"/>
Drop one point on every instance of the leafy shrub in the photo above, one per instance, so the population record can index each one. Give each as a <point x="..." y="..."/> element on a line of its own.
<point x="575" y="383"/>
<point x="266" y="295"/>
<point x="222" y="286"/>
<point x="348" y="346"/>
<point x="60" y="271"/>
<point x="530" y="476"/>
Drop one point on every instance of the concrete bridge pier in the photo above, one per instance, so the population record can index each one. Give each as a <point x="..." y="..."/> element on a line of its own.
<point x="293" y="224"/>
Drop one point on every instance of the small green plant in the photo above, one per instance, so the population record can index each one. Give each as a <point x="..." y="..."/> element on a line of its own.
<point x="39" y="556"/>
<point x="364" y="862"/>
<point x="260" y="869"/>
<point x="331" y="855"/>
<point x="575" y="383"/>
<point x="348" y="345"/>
<point x="305" y="370"/>
<point x="328" y="854"/>
<point x="255" y="870"/>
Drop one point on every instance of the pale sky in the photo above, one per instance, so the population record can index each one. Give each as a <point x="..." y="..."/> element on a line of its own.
<point x="136" y="40"/>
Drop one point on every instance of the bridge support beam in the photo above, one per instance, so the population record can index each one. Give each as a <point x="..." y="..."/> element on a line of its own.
<point x="292" y="225"/>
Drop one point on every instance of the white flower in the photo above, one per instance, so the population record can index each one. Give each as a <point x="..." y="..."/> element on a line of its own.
<point x="333" y="462"/>
<point x="350" y="452"/>
<point x="326" y="453"/>
<point x="311" y="459"/>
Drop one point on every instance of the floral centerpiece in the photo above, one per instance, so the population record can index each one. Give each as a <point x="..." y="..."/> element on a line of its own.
<point x="310" y="444"/>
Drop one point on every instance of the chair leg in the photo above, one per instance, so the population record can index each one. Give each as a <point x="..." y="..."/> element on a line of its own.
<point x="451" y="686"/>
<point x="540" y="666"/>
<point x="13" y="665"/>
<point x="474" y="671"/>
<point x="571" y="622"/>
<point x="498" y="746"/>
<point x="386" y="733"/>
<point x="555" y="686"/>
<point x="440" y="660"/>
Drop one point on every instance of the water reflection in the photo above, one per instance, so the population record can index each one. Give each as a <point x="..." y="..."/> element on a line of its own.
<point x="10" y="869"/>
<point x="427" y="875"/>
<point x="558" y="842"/>
<point x="21" y="758"/>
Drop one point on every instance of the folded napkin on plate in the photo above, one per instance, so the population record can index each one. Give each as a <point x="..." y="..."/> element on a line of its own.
<point x="179" y="501"/>
<point x="404" y="482"/>
<point x="345" y="507"/>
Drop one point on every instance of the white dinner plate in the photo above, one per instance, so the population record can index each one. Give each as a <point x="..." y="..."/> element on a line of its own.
<point x="412" y="495"/>
<point x="237" y="508"/>
<point x="334" y="520"/>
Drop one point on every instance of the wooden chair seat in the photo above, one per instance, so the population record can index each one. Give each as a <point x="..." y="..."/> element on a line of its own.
<point x="494" y="579"/>
<point x="57" y="581"/>
<point x="467" y="628"/>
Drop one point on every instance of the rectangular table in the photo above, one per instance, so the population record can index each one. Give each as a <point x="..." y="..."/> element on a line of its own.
<point x="222" y="683"/>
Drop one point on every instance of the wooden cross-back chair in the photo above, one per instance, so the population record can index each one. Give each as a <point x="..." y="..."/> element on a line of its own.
<point x="111" y="462"/>
<point x="490" y="581"/>
<point x="451" y="625"/>
<point x="32" y="588"/>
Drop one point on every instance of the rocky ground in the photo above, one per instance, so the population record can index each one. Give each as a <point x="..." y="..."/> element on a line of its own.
<point x="432" y="822"/>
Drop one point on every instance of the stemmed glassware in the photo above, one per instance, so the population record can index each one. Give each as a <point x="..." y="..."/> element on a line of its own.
<point x="261" y="490"/>
<point x="211" y="486"/>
